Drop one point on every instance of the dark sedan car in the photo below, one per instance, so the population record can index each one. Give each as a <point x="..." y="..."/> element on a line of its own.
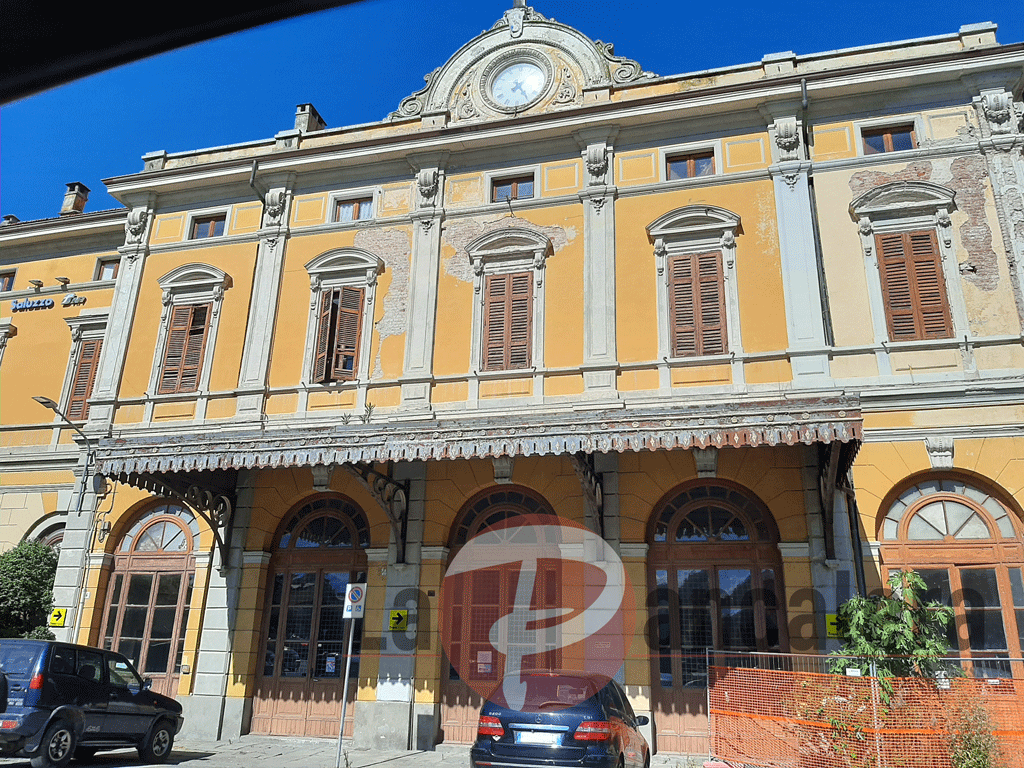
<point x="566" y="719"/>
<point x="59" y="701"/>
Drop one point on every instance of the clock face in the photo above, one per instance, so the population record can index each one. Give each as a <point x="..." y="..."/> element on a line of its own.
<point x="518" y="84"/>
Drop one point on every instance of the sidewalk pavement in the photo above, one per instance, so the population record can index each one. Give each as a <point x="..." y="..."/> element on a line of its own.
<point x="279" y="752"/>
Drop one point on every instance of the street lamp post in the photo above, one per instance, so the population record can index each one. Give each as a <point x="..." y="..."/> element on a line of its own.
<point x="83" y="568"/>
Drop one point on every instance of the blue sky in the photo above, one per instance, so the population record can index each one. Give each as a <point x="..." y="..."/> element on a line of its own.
<point x="357" y="62"/>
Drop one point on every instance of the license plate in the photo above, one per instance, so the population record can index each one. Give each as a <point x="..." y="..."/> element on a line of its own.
<point x="536" y="737"/>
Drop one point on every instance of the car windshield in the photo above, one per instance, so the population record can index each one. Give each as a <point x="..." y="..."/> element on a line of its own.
<point x="553" y="691"/>
<point x="18" y="658"/>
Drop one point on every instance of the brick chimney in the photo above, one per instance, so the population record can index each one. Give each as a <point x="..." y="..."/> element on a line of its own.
<point x="74" y="199"/>
<point x="308" y="119"/>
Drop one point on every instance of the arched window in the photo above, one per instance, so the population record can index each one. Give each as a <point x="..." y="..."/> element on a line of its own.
<point x="318" y="552"/>
<point x="965" y="543"/>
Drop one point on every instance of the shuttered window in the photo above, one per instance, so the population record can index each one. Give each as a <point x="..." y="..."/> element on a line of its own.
<point x="339" y="327"/>
<point x="697" y="304"/>
<point x="913" y="287"/>
<point x="85" y="375"/>
<point x="508" y="314"/>
<point x="186" y="342"/>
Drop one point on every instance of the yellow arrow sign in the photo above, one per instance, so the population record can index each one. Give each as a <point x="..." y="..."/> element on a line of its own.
<point x="58" y="616"/>
<point x="399" y="621"/>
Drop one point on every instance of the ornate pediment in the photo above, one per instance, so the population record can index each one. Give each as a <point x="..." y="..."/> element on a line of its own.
<point x="526" y="63"/>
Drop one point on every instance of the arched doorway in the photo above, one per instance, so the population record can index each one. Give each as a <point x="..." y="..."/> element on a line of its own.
<point x="317" y="553"/>
<point x="468" y="632"/>
<point x="967" y="546"/>
<point x="715" y="583"/>
<point x="150" y="592"/>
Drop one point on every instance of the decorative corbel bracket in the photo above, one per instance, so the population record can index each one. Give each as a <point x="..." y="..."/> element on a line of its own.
<point x="940" y="452"/>
<point x="391" y="495"/>
<point x="593" y="493"/>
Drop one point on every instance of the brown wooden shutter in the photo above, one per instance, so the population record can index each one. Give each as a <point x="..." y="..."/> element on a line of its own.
<point x="346" y="337"/>
<point x="495" y="322"/>
<point x="913" y="287"/>
<point x="186" y="341"/>
<point x="520" y="316"/>
<point x="697" y="305"/>
<point x="85" y="375"/>
<point x="508" y="322"/>
<point x="323" y="337"/>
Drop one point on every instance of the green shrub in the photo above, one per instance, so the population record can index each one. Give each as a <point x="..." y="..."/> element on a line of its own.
<point x="26" y="590"/>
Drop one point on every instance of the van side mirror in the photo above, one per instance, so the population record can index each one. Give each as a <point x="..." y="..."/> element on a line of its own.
<point x="147" y="683"/>
<point x="642" y="719"/>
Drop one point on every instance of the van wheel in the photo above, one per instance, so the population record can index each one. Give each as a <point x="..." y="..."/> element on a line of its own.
<point x="157" y="746"/>
<point x="57" y="746"/>
<point x="85" y="754"/>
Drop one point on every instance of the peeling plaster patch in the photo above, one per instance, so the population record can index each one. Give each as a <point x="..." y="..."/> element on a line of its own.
<point x="969" y="176"/>
<point x="459" y="234"/>
<point x="395" y="248"/>
<point x="866" y="180"/>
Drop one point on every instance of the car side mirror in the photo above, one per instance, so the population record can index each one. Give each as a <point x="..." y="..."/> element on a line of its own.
<point x="642" y="719"/>
<point x="147" y="683"/>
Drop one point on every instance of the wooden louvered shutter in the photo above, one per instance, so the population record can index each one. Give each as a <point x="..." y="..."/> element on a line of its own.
<point x="520" y="325"/>
<point x="346" y="337"/>
<point x="913" y="287"/>
<point x="323" y="337"/>
<point x="697" y="305"/>
<point x="495" y="321"/>
<point x="85" y="375"/>
<point x="186" y="341"/>
<point x="508" y="326"/>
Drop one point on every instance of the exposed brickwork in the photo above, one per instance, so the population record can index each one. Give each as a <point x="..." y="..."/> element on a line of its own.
<point x="920" y="170"/>
<point x="969" y="180"/>
<point x="395" y="248"/>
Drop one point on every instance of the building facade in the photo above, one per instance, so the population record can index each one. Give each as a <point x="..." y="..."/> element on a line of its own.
<point x="759" y="327"/>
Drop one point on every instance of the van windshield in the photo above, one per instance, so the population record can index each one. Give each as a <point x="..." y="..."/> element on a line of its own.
<point x="18" y="658"/>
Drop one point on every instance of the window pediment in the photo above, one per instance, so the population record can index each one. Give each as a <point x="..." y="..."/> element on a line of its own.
<point x="198" y="278"/>
<point x="346" y="263"/>
<point x="902" y="199"/>
<point x="694" y="222"/>
<point x="514" y="247"/>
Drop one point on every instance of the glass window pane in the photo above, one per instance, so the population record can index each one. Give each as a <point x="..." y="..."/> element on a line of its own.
<point x="735" y="586"/>
<point x="874" y="144"/>
<point x="365" y="210"/>
<point x="345" y="211"/>
<point x="502" y="192"/>
<point x="295" y="660"/>
<point x="218" y="227"/>
<point x="738" y="629"/>
<point x="163" y="623"/>
<point x="134" y="623"/>
<point x="694" y="588"/>
<point x="768" y="587"/>
<point x="157" y="655"/>
<point x="974" y="528"/>
<point x="980" y="587"/>
<point x="695" y="628"/>
<point x="1017" y="587"/>
<point x="935" y="516"/>
<point x="902" y="140"/>
<point x="525" y="189"/>
<point x="90" y="666"/>
<point x="168" y="586"/>
<point x="301" y="590"/>
<point x="705" y="166"/>
<point x="131" y="649"/>
<point x="985" y="630"/>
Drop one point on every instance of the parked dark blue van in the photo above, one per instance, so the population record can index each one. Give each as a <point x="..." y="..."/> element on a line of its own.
<point x="59" y="701"/>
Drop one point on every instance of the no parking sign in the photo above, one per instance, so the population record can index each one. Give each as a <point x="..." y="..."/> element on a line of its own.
<point x="355" y="601"/>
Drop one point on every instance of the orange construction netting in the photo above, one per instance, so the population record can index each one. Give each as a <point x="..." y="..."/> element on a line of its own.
<point x="807" y="720"/>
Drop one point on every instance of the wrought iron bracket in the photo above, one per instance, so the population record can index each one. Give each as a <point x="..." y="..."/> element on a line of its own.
<point x="593" y="492"/>
<point x="214" y="504"/>
<point x="392" y="496"/>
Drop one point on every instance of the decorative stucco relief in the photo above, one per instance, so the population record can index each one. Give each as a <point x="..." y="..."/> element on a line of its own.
<point x="459" y="234"/>
<point x="394" y="246"/>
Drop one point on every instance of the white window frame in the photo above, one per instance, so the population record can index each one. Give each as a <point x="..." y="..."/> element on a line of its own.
<point x="89" y="325"/>
<point x="501" y="252"/>
<point x="336" y="268"/>
<point x="349" y="195"/>
<point x="510" y="173"/>
<point x="206" y="213"/>
<point x="696" y="229"/>
<point x="189" y="284"/>
<point x="887" y="122"/>
<point x="689" y="149"/>
<point x="908" y="206"/>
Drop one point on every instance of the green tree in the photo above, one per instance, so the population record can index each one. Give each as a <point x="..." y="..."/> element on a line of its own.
<point x="26" y="590"/>
<point x="898" y="632"/>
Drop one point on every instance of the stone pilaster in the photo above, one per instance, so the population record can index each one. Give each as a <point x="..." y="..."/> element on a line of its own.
<point x="802" y="278"/>
<point x="600" y="360"/>
<point x="121" y="319"/>
<point x="229" y="630"/>
<point x="427" y="218"/>
<point x="388" y="722"/>
<point x="266" y="290"/>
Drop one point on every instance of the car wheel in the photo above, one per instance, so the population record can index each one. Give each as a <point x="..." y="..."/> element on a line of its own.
<point x="85" y="754"/>
<point x="157" y="746"/>
<point x="57" y="746"/>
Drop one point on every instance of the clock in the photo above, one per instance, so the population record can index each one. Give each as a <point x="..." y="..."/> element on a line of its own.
<point x="518" y="84"/>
